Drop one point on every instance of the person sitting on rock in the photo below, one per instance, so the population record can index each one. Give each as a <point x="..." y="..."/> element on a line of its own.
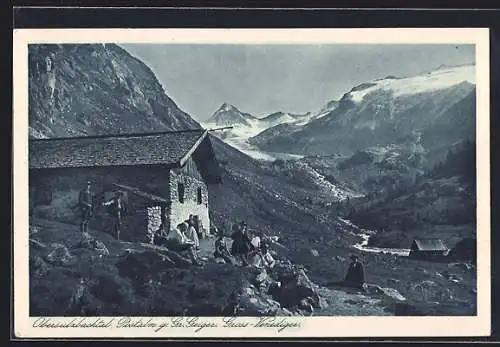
<point x="355" y="276"/>
<point x="221" y="250"/>
<point x="261" y="258"/>
<point x="267" y="258"/>
<point x="177" y="241"/>
<point x="256" y="239"/>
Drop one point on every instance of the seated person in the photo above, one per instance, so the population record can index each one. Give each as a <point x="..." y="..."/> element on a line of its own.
<point x="267" y="258"/>
<point x="221" y="250"/>
<point x="192" y="234"/>
<point x="355" y="276"/>
<point x="177" y="241"/>
<point x="262" y="258"/>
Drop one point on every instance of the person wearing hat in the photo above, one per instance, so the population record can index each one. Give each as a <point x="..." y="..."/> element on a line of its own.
<point x="85" y="204"/>
<point x="355" y="276"/>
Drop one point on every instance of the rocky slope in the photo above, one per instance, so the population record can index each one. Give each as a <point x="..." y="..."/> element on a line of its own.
<point x="96" y="89"/>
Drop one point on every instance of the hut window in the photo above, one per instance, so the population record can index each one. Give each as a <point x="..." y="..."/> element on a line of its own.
<point x="199" y="196"/>
<point x="180" y="192"/>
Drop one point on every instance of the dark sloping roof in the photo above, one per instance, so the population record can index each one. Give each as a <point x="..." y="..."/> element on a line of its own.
<point x="430" y="245"/>
<point x="168" y="148"/>
<point x="143" y="194"/>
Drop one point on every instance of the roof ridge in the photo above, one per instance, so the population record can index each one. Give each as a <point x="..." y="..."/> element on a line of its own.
<point x="144" y="134"/>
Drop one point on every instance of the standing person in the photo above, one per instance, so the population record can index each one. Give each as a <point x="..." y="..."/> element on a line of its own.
<point x="86" y="205"/>
<point x="241" y="243"/>
<point x="355" y="276"/>
<point x="116" y="210"/>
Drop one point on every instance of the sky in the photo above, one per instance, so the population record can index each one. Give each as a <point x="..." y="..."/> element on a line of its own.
<point x="263" y="79"/>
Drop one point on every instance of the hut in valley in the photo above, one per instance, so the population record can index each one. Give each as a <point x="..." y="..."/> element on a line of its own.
<point x="163" y="175"/>
<point x="428" y="249"/>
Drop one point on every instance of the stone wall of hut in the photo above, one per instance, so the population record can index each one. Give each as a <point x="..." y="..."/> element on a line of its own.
<point x="195" y="199"/>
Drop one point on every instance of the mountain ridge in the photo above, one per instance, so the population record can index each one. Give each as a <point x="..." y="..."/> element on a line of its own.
<point x="68" y="84"/>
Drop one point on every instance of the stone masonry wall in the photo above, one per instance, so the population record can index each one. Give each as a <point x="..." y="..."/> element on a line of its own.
<point x="179" y="212"/>
<point x="154" y="221"/>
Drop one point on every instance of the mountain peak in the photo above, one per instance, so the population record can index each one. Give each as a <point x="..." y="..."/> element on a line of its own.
<point x="228" y="114"/>
<point x="226" y="107"/>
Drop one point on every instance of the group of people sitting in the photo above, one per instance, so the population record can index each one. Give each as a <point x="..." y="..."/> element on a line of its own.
<point x="182" y="238"/>
<point x="245" y="249"/>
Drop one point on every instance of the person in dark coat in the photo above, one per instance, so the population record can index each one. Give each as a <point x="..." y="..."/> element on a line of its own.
<point x="86" y="205"/>
<point x="117" y="209"/>
<point x="355" y="276"/>
<point x="241" y="243"/>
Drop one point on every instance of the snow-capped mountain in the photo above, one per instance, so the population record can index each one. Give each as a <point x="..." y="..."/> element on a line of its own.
<point x="383" y="112"/>
<point x="246" y="126"/>
<point x="229" y="115"/>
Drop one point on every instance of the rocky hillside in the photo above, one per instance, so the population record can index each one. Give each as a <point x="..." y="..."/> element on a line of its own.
<point x="439" y="203"/>
<point x="95" y="89"/>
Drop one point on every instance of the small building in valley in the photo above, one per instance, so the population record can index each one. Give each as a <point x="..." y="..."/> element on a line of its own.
<point x="162" y="175"/>
<point x="428" y="249"/>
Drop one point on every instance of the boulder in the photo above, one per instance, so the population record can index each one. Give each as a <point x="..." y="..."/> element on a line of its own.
<point x="464" y="250"/>
<point x="297" y="289"/>
<point x="139" y="265"/>
<point x="34" y="229"/>
<point x="305" y="305"/>
<point x="460" y="266"/>
<point x="37" y="244"/>
<point x="392" y="281"/>
<point x="58" y="255"/>
<point x="89" y="242"/>
<point x="37" y="265"/>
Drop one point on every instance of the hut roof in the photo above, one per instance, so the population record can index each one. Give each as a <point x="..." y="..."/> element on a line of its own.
<point x="143" y="194"/>
<point x="170" y="148"/>
<point x="429" y="245"/>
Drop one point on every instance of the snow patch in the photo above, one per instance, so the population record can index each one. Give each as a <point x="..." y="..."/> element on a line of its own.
<point x="432" y="81"/>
